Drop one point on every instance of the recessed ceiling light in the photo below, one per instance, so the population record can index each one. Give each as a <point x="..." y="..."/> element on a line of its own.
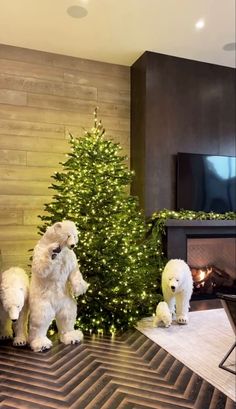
<point x="200" y="24"/>
<point x="77" y="11"/>
<point x="229" y="47"/>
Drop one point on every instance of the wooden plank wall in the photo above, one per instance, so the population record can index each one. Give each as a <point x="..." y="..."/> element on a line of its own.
<point x="43" y="97"/>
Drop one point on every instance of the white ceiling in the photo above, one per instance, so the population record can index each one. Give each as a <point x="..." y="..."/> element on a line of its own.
<point x="119" y="31"/>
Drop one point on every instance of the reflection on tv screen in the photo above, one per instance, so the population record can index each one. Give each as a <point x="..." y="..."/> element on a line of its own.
<point x="206" y="182"/>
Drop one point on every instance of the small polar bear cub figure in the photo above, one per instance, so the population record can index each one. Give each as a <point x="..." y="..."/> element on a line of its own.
<point x="55" y="280"/>
<point x="163" y="315"/>
<point x="14" y="306"/>
<point x="177" y="288"/>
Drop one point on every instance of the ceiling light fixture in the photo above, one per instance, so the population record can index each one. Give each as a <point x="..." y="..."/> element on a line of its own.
<point x="77" y="11"/>
<point x="229" y="47"/>
<point x="200" y="24"/>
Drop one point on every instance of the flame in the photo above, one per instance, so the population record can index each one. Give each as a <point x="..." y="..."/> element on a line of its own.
<point x="209" y="270"/>
<point x="202" y="275"/>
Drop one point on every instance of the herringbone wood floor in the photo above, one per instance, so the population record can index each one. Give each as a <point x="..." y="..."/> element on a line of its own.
<point x="123" y="372"/>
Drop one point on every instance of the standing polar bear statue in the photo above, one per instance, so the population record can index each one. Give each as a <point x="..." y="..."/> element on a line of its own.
<point x="177" y="288"/>
<point x="56" y="278"/>
<point x="14" y="306"/>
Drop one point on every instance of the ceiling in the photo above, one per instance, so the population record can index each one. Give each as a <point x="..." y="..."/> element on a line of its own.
<point x="119" y="31"/>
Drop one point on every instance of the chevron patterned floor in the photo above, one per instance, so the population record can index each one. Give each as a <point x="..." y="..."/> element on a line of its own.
<point x="123" y="372"/>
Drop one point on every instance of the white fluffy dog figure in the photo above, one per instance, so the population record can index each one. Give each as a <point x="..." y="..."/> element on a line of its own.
<point x="177" y="288"/>
<point x="14" y="306"/>
<point x="56" y="278"/>
<point x="163" y="315"/>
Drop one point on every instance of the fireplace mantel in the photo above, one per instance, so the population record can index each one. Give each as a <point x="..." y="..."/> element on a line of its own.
<point x="179" y="230"/>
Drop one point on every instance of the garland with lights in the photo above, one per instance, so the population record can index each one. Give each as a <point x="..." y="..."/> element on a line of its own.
<point x="114" y="256"/>
<point x="157" y="226"/>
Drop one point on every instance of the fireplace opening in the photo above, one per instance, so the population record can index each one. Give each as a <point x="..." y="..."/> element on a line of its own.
<point x="213" y="267"/>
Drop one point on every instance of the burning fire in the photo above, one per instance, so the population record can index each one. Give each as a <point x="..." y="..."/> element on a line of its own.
<point x="208" y="279"/>
<point x="202" y="274"/>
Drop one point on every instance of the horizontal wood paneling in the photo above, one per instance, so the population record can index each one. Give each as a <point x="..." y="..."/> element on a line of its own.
<point x="17" y="247"/>
<point x="8" y="96"/>
<point x="20" y="187"/>
<point x="114" y="95"/>
<point x="35" y="144"/>
<point x="31" y="114"/>
<point x="37" y="86"/>
<point x="12" y="157"/>
<point x="43" y="98"/>
<point x="63" y="61"/>
<point x="69" y="104"/>
<point x="26" y="173"/>
<point x="11" y="216"/>
<point x="22" y="260"/>
<point x="31" y="128"/>
<point x="44" y="159"/>
<point x="23" y="201"/>
<point x="31" y="216"/>
<point x="24" y="69"/>
<point x="15" y="233"/>
<point x="100" y="81"/>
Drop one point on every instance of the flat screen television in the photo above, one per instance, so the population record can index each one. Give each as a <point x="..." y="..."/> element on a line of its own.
<point x="206" y="182"/>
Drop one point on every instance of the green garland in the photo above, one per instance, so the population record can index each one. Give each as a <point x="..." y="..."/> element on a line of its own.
<point x="157" y="226"/>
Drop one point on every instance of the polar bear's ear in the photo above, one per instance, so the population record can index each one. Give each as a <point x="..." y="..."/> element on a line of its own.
<point x="58" y="226"/>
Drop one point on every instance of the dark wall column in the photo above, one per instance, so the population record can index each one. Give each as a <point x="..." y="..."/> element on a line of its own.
<point x="177" y="105"/>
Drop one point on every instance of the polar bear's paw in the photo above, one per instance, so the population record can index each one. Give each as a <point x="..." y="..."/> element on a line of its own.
<point x="80" y="286"/>
<point x="53" y="250"/>
<point x="5" y="336"/>
<point x="71" y="337"/>
<point x="19" y="341"/>
<point x="40" y="344"/>
<point x="182" y="319"/>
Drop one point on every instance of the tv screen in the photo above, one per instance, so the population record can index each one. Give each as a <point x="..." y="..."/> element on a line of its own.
<point x="206" y="182"/>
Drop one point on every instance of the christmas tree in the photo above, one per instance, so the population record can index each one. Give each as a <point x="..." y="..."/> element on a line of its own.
<point x="92" y="191"/>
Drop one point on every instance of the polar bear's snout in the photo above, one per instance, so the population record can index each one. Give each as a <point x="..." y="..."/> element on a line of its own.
<point x="71" y="242"/>
<point x="173" y="284"/>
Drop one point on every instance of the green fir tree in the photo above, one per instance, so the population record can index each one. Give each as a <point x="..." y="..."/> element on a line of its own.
<point x="92" y="191"/>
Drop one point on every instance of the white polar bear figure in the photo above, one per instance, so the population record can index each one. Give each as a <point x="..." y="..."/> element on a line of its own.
<point x="177" y="288"/>
<point x="56" y="278"/>
<point x="163" y="315"/>
<point x="14" y="305"/>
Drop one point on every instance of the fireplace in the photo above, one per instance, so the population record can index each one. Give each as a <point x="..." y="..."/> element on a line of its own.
<point x="209" y="248"/>
<point x="212" y="262"/>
